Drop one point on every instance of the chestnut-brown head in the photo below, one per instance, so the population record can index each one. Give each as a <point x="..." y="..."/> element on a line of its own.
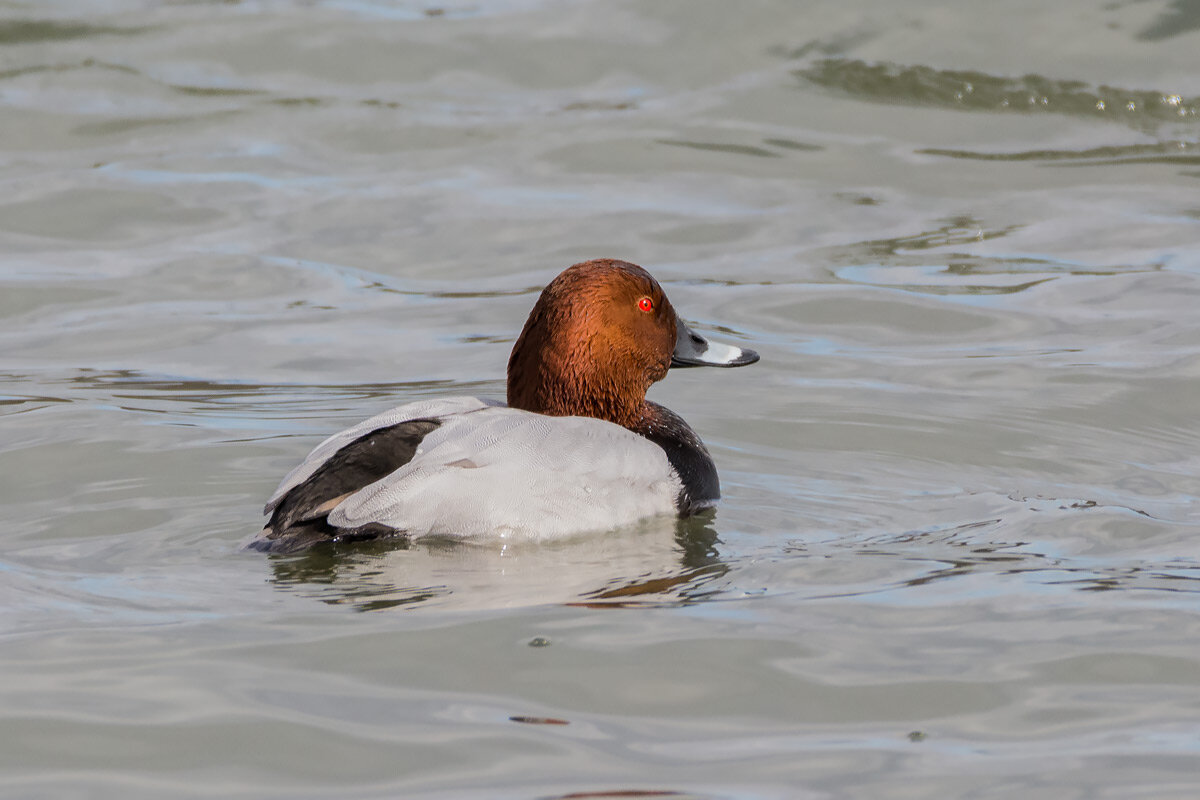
<point x="599" y="335"/>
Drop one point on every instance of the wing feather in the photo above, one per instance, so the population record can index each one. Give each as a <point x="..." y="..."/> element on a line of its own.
<point x="424" y="409"/>
<point x="511" y="473"/>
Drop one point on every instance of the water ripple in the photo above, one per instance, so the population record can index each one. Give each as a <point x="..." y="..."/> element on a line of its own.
<point x="970" y="90"/>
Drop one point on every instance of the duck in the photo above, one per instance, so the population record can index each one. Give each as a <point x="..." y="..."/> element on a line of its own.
<point x="576" y="448"/>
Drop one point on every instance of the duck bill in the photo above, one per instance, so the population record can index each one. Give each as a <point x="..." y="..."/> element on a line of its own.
<point x="693" y="350"/>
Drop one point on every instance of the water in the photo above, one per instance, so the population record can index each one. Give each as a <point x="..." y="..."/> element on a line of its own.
<point x="957" y="552"/>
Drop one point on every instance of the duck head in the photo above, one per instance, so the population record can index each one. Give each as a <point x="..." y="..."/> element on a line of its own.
<point x="599" y="335"/>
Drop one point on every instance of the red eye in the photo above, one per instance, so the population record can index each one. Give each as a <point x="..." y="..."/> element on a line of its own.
<point x="646" y="304"/>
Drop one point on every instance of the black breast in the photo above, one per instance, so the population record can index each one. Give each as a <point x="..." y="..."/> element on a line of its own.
<point x="688" y="456"/>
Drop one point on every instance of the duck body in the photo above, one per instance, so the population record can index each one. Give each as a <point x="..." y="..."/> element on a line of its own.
<point x="577" y="448"/>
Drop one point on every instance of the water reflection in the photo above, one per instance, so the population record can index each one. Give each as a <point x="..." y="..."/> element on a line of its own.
<point x="1017" y="544"/>
<point x="719" y="147"/>
<point x="905" y="262"/>
<point x="29" y="31"/>
<point x="970" y="90"/>
<point x="615" y="794"/>
<point x="1182" y="16"/>
<point x="659" y="561"/>
<point x="1174" y="152"/>
<point x="134" y="390"/>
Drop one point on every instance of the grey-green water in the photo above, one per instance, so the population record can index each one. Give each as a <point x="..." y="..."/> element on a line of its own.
<point x="957" y="556"/>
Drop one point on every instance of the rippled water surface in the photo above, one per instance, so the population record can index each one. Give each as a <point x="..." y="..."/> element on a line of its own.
<point x="957" y="555"/>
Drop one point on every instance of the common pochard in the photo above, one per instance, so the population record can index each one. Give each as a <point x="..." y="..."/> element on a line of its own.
<point x="577" y="448"/>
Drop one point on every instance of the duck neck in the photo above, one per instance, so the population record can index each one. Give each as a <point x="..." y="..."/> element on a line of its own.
<point x="562" y="376"/>
<point x="566" y="391"/>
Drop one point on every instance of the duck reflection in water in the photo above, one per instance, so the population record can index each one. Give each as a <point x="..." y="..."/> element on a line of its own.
<point x="660" y="561"/>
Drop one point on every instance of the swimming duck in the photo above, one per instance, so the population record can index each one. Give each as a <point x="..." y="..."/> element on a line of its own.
<point x="577" y="448"/>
